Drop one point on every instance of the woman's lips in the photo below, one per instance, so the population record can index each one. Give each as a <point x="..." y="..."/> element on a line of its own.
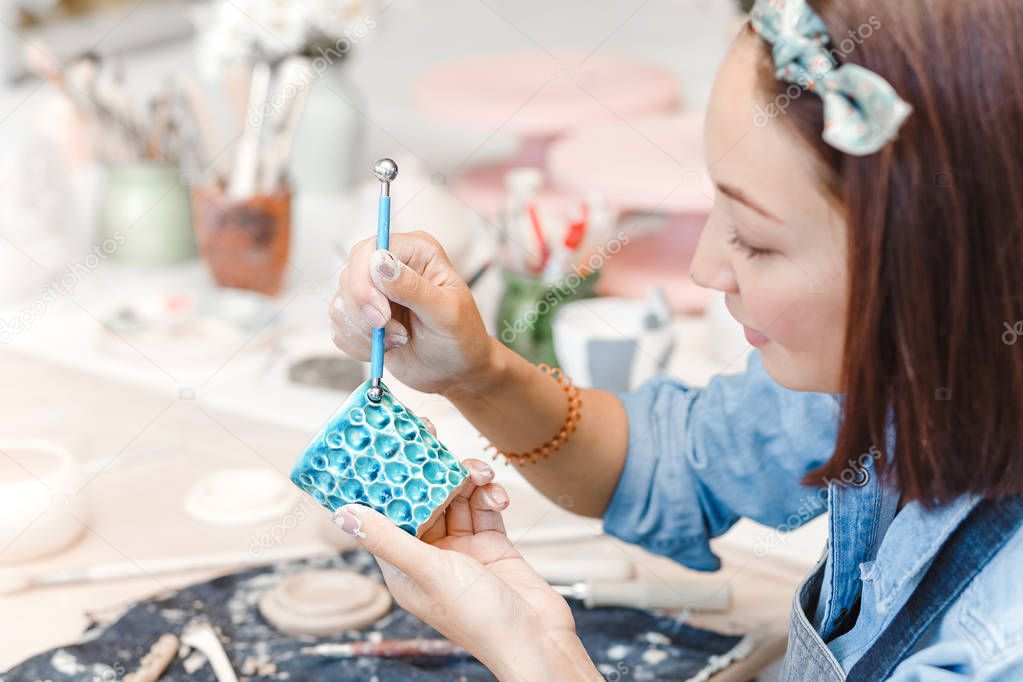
<point x="755" y="338"/>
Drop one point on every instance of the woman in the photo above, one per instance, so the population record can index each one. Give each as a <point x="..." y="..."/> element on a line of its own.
<point x="867" y="233"/>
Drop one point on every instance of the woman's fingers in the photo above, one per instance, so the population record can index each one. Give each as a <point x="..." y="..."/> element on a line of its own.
<point x="372" y="306"/>
<point x="351" y="331"/>
<point x="486" y="505"/>
<point x="386" y="541"/>
<point x="458" y="514"/>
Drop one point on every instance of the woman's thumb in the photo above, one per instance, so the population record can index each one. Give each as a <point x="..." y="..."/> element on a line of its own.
<point x="403" y="285"/>
<point x="382" y="538"/>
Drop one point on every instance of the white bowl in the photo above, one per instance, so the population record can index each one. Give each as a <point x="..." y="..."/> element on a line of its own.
<point x="41" y="508"/>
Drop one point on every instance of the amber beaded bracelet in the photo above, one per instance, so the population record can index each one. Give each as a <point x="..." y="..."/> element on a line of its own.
<point x="571" y="421"/>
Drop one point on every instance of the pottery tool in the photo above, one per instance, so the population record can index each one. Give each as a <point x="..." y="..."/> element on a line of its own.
<point x="246" y="165"/>
<point x="206" y="138"/>
<point x="202" y="637"/>
<point x="568" y="568"/>
<point x="374" y="450"/>
<point x="279" y="151"/>
<point x="12" y="582"/>
<point x="649" y="594"/>
<point x="390" y="648"/>
<point x="154" y="663"/>
<point x="386" y="171"/>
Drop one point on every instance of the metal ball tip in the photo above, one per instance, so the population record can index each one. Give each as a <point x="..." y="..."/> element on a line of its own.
<point x="386" y="170"/>
<point x="375" y="393"/>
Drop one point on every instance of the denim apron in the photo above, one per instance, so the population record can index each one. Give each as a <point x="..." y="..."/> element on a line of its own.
<point x="963" y="555"/>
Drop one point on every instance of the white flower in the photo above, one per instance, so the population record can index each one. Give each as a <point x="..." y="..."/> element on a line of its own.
<point x="247" y="30"/>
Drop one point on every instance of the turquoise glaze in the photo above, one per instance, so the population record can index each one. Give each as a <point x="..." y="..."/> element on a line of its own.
<point x="382" y="456"/>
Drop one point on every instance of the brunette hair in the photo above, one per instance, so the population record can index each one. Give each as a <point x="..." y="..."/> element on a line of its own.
<point x="935" y="245"/>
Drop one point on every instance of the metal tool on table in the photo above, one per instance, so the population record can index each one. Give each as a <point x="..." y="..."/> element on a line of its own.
<point x="386" y="171"/>
<point x="649" y="594"/>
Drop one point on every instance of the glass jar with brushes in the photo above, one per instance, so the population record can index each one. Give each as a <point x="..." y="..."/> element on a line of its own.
<point x="537" y="251"/>
<point x="528" y="306"/>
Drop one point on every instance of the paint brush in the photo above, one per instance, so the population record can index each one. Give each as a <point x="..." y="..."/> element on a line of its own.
<point x="386" y="171"/>
<point x="246" y="164"/>
<point x="390" y="648"/>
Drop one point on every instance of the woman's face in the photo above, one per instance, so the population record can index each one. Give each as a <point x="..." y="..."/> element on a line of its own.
<point x="773" y="244"/>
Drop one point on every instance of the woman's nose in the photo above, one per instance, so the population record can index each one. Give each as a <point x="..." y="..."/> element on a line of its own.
<point x="711" y="267"/>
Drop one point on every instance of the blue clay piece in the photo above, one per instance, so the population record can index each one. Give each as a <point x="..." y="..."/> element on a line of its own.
<point x="380" y="494"/>
<point x="397" y="472"/>
<point x="408" y="429"/>
<point x="377" y="417"/>
<point x="434" y="471"/>
<point x="367" y="468"/>
<point x="380" y="455"/>
<point x="437" y="493"/>
<point x="416" y="453"/>
<point x="417" y="490"/>
<point x="356" y="437"/>
<point x="387" y="446"/>
<point x="399" y="511"/>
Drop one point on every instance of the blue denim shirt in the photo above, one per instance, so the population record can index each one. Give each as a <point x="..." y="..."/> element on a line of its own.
<point x="700" y="459"/>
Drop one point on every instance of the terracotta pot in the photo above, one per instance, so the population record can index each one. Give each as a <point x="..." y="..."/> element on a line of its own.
<point x="244" y="242"/>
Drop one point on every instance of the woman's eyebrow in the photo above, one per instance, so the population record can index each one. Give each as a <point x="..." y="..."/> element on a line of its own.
<point x="740" y="196"/>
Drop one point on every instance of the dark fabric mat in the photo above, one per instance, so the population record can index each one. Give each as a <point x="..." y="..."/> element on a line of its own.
<point x="626" y="644"/>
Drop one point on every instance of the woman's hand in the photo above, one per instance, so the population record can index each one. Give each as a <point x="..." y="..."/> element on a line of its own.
<point x="467" y="580"/>
<point x="434" y="336"/>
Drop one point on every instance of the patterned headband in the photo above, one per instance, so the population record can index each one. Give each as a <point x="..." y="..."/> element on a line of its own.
<point x="862" y="112"/>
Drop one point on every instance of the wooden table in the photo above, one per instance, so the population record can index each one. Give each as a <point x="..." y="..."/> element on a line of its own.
<point x="136" y="510"/>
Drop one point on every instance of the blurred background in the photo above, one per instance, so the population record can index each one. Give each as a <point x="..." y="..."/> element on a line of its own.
<point x="180" y="183"/>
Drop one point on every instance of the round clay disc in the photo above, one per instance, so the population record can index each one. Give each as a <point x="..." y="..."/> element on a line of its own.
<point x="323" y="603"/>
<point x="239" y="497"/>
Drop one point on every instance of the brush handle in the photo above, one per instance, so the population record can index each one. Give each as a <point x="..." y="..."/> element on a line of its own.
<point x="376" y="369"/>
<point x="151" y="567"/>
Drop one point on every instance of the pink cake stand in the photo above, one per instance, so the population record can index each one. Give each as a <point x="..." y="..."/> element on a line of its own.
<point x="539" y="98"/>
<point x="654" y="164"/>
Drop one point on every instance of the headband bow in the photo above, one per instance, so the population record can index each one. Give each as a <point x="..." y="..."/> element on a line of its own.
<point x="862" y="111"/>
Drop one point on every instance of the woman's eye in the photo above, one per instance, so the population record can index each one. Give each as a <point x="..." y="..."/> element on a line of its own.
<point x="751" y="251"/>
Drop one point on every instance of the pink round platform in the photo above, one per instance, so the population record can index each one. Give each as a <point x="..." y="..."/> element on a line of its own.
<point x="482" y="190"/>
<point x="654" y="163"/>
<point x="535" y="95"/>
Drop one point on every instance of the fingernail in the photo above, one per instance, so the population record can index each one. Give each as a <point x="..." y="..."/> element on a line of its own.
<point x="495" y="499"/>
<point x="349" y="523"/>
<point x="373" y="316"/>
<point x="483" y="468"/>
<point x="386" y="265"/>
<point x="395" y="341"/>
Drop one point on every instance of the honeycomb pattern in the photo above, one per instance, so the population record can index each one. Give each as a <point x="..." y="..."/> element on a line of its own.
<point x="382" y="456"/>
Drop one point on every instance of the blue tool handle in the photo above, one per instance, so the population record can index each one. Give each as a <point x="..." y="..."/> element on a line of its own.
<point x="376" y="367"/>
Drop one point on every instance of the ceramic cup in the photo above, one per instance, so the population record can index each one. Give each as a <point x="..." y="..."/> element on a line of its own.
<point x="608" y="343"/>
<point x="41" y="510"/>
<point x="146" y="213"/>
